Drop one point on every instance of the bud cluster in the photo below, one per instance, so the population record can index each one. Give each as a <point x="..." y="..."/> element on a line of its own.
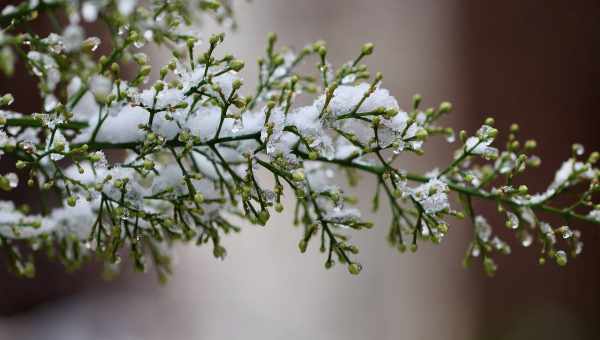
<point x="142" y="159"/>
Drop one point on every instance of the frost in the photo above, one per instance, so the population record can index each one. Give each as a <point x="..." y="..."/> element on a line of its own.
<point x="512" y="220"/>
<point x="89" y="11"/>
<point x="568" y="169"/>
<point x="595" y="215"/>
<point x="342" y="215"/>
<point x="126" y="7"/>
<point x="100" y="87"/>
<point x="432" y="196"/>
<point x="482" y="228"/>
<point x="121" y="128"/>
<point x="346" y="98"/>
<point x="73" y="38"/>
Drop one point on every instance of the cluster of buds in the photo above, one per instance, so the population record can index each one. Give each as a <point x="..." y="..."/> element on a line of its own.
<point x="130" y="164"/>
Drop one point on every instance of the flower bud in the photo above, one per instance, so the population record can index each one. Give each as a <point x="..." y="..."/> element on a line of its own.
<point x="71" y="201"/>
<point x="298" y="175"/>
<point x="199" y="198"/>
<point x="354" y="268"/>
<point x="561" y="258"/>
<point x="302" y="245"/>
<point x="236" y="65"/>
<point x="263" y="217"/>
<point x="20" y="165"/>
<point x="367" y="49"/>
<point x="6" y="99"/>
<point x="523" y="189"/>
<point x="445" y="107"/>
<point x="148" y="164"/>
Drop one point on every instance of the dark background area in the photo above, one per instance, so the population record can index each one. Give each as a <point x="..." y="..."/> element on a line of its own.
<point x="538" y="64"/>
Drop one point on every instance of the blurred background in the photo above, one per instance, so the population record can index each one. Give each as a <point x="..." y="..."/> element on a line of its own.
<point x="521" y="61"/>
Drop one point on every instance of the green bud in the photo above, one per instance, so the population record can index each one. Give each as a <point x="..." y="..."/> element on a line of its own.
<point x="417" y="98"/>
<point x="298" y="175"/>
<point x="159" y="86"/>
<point x="271" y="38"/>
<point x="489" y="266"/>
<point x="302" y="246"/>
<point x="71" y="201"/>
<point x="321" y="50"/>
<point x="594" y="156"/>
<point x="237" y="84"/>
<point x="367" y="49"/>
<point x="421" y="134"/>
<point x="21" y="164"/>
<point x="210" y="5"/>
<point x="236" y="65"/>
<point x="530" y="144"/>
<point x="145" y="70"/>
<point x="119" y="184"/>
<point x="523" y="189"/>
<point x="199" y="198"/>
<point x="561" y="258"/>
<point x="6" y="99"/>
<point x="263" y="217"/>
<point x="445" y="107"/>
<point x="95" y="158"/>
<point x="148" y="164"/>
<point x="354" y="268"/>
<point x="59" y="146"/>
<point x="5" y="184"/>
<point x="462" y="135"/>
<point x="219" y="252"/>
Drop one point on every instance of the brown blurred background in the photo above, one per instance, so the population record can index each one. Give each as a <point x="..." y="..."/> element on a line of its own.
<point x="538" y="64"/>
<point x="530" y="62"/>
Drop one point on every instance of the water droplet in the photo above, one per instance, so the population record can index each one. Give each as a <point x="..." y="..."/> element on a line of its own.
<point x="526" y="239"/>
<point x="269" y="196"/>
<point x="578" y="248"/>
<point x="89" y="11"/>
<point x="578" y="149"/>
<point x="50" y="103"/>
<point x="512" y="221"/>
<point x="123" y="29"/>
<point x="482" y="228"/>
<point x="13" y="179"/>
<point x="475" y="251"/>
<point x="149" y="35"/>
<point x="93" y="42"/>
<point x="237" y="126"/>
<point x="565" y="232"/>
